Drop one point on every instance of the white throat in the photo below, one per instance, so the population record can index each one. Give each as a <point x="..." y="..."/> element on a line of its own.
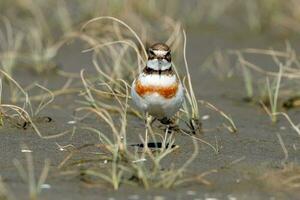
<point x="159" y="65"/>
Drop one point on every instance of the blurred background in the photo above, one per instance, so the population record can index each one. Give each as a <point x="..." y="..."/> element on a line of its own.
<point x="35" y="25"/>
<point x="279" y="17"/>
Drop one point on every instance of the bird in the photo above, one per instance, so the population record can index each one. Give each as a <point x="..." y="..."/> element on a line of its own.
<point x="157" y="91"/>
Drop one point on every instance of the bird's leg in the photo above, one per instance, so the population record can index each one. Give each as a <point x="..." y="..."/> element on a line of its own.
<point x="170" y="124"/>
<point x="165" y="121"/>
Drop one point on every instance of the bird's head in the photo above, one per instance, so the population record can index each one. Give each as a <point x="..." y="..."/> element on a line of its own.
<point x="159" y="57"/>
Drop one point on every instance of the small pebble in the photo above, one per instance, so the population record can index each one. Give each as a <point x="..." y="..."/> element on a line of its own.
<point x="45" y="186"/>
<point x="205" y="117"/>
<point x="71" y="122"/>
<point x="26" y="151"/>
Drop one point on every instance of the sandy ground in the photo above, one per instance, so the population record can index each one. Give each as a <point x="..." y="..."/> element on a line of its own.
<point x="243" y="159"/>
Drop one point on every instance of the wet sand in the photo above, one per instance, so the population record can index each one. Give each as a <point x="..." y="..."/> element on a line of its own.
<point x="243" y="158"/>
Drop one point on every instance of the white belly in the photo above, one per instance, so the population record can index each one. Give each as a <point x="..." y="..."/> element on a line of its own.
<point x="156" y="105"/>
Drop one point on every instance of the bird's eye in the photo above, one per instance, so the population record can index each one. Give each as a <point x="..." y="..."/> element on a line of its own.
<point x="151" y="53"/>
<point x="168" y="54"/>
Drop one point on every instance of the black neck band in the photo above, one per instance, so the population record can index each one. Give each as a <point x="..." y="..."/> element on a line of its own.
<point x="148" y="70"/>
